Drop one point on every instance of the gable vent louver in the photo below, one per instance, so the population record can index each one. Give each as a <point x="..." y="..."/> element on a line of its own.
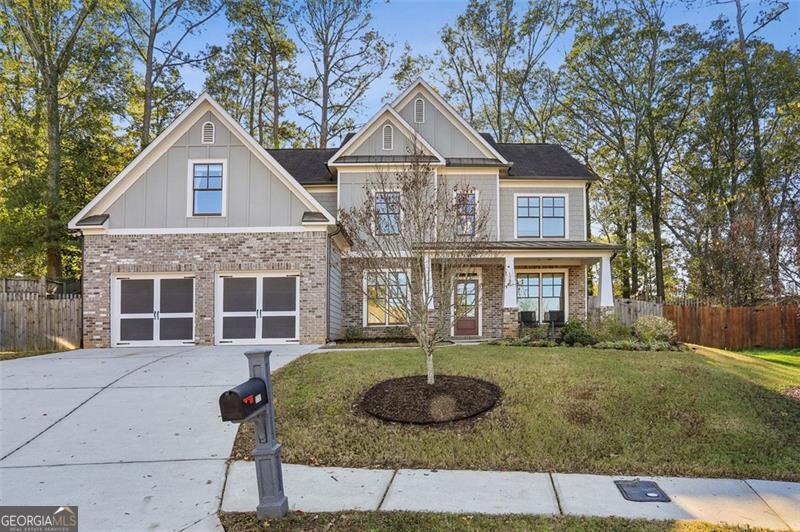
<point x="419" y="111"/>
<point x="388" y="137"/>
<point x="208" y="133"/>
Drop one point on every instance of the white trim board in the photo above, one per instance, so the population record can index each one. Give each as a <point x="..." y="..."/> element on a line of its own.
<point x="147" y="157"/>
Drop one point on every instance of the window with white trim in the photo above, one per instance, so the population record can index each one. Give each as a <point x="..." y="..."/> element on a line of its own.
<point x="419" y="111"/>
<point x="540" y="216"/>
<point x="207" y="189"/>
<point x="387" y="213"/>
<point x="466" y="211"/>
<point x="388" y="137"/>
<point x="385" y="297"/>
<point x="209" y="133"/>
<point x="542" y="294"/>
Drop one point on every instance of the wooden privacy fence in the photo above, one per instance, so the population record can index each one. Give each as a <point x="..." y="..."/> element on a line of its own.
<point x="736" y="327"/>
<point x="627" y="310"/>
<point x="32" y="322"/>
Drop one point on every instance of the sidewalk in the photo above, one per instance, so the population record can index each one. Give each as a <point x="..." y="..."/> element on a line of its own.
<point x="758" y="503"/>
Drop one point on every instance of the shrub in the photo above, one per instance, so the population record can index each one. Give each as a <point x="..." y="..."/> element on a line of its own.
<point x="651" y="329"/>
<point x="539" y="332"/>
<point x="609" y="328"/>
<point x="623" y="345"/>
<point x="353" y="332"/>
<point x="575" y="333"/>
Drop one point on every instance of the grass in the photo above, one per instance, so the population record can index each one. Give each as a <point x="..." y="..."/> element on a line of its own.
<point x="564" y="409"/>
<point x="408" y="521"/>
<point x="787" y="357"/>
<point x="11" y="355"/>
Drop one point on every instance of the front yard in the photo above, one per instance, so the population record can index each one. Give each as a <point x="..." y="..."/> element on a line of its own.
<point x="563" y="409"/>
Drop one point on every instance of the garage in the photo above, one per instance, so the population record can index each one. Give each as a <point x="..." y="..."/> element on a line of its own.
<point x="156" y="310"/>
<point x="257" y="308"/>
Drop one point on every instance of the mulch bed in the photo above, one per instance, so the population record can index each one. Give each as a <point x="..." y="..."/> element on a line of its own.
<point x="413" y="400"/>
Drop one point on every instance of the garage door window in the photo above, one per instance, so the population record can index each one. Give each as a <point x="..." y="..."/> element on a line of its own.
<point x="153" y="310"/>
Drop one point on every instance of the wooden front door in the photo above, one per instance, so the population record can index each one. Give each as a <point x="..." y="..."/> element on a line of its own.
<point x="466" y="308"/>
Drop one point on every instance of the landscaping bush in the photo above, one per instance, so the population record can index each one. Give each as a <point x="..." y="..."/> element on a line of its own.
<point x="353" y="332"/>
<point x="539" y="332"/>
<point x="609" y="328"/>
<point x="575" y="333"/>
<point x="651" y="329"/>
<point x="637" y="345"/>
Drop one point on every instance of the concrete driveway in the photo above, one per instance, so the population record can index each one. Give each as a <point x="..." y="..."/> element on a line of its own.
<point x="132" y="436"/>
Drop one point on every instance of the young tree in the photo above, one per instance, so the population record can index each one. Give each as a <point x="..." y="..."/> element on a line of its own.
<point x="347" y="55"/>
<point x="157" y="30"/>
<point x="413" y="244"/>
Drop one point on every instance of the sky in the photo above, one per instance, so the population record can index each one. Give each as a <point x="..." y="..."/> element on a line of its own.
<point x="419" y="23"/>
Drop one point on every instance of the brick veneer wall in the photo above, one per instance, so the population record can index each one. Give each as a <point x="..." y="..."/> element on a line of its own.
<point x="204" y="255"/>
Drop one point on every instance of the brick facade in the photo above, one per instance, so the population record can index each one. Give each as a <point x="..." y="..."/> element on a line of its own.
<point x="204" y="255"/>
<point x="496" y="321"/>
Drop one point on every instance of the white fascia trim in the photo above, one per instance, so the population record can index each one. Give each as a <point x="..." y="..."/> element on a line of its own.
<point x="321" y="188"/>
<point x="177" y="128"/>
<point x="372" y="125"/>
<point x="321" y="226"/>
<point x="542" y="183"/>
<point x="465" y="127"/>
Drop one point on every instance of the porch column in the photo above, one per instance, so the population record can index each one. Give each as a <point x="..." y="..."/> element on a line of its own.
<point x="428" y="281"/>
<point x="510" y="285"/>
<point x="510" y="319"/>
<point x="606" y="294"/>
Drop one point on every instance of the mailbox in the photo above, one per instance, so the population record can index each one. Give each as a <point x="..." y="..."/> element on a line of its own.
<point x="237" y="404"/>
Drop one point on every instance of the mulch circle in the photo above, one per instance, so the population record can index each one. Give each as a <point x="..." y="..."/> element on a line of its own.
<point x="413" y="400"/>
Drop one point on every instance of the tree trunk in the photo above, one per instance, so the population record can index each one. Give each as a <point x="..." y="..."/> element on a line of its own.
<point x="54" y="263"/>
<point x="633" y="245"/>
<point x="148" y="78"/>
<point x="276" y="108"/>
<point x="429" y="363"/>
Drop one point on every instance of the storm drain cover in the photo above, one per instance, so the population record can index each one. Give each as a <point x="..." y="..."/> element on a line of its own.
<point x="641" y="491"/>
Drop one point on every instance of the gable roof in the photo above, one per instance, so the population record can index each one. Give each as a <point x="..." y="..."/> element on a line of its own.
<point x="373" y="124"/>
<point x="309" y="166"/>
<point x="178" y="127"/>
<point x="455" y="116"/>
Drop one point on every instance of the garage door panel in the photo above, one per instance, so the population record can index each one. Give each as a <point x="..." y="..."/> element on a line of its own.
<point x="279" y="294"/>
<point x="176" y="328"/>
<point x="238" y="327"/>
<point x="136" y="329"/>
<point x="136" y="296"/>
<point x="239" y="294"/>
<point x="177" y="295"/>
<point x="278" y="327"/>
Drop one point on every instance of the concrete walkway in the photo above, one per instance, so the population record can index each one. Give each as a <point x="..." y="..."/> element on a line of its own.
<point x="132" y="436"/>
<point x="758" y="503"/>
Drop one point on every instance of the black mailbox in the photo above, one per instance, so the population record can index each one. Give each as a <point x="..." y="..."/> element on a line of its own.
<point x="237" y="404"/>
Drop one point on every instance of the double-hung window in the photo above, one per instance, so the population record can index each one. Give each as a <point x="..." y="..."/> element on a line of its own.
<point x="540" y="216"/>
<point x="542" y="294"/>
<point x="466" y="211"/>
<point x="387" y="213"/>
<point x="207" y="191"/>
<point x="386" y="298"/>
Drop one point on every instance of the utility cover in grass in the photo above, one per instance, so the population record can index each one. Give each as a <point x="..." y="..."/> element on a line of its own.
<point x="413" y="400"/>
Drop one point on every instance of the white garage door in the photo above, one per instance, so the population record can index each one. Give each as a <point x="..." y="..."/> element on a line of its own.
<point x="152" y="310"/>
<point x="257" y="308"/>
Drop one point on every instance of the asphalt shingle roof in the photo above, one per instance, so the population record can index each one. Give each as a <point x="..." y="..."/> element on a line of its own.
<point x="540" y="160"/>
<point x="308" y="166"/>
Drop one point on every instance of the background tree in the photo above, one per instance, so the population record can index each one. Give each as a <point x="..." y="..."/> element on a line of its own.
<point x="347" y="55"/>
<point x="437" y="228"/>
<point x="157" y="30"/>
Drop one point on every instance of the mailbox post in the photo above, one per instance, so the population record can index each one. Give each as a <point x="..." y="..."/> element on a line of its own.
<point x="245" y="403"/>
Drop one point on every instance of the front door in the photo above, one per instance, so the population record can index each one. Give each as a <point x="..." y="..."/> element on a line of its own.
<point x="466" y="308"/>
<point x="153" y="310"/>
<point x="256" y="308"/>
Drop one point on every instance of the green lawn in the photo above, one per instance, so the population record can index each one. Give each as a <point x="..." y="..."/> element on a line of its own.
<point x="564" y="409"/>
<point x="787" y="357"/>
<point x="408" y="521"/>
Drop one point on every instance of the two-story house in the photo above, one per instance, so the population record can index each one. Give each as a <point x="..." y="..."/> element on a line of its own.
<point x="208" y="238"/>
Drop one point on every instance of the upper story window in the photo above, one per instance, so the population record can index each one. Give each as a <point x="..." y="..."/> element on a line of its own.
<point x="467" y="211"/>
<point x="540" y="216"/>
<point x="385" y="298"/>
<point x="419" y="111"/>
<point x="387" y="213"/>
<point x="208" y="133"/>
<point x="388" y="137"/>
<point x="207" y="191"/>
